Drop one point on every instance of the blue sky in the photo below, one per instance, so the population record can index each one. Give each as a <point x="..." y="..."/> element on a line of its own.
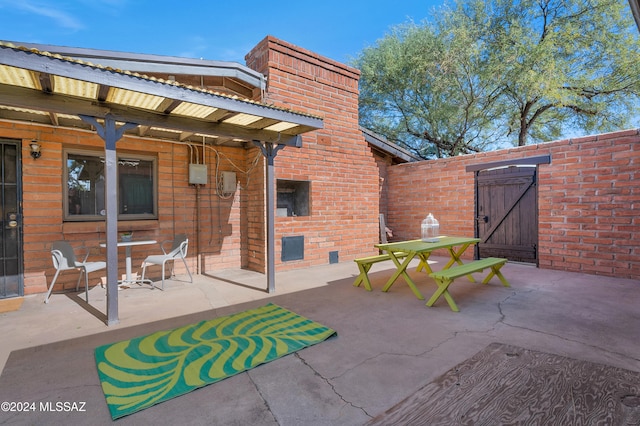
<point x="213" y="30"/>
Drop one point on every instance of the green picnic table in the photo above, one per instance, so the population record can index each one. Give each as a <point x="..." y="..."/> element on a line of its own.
<point x="409" y="250"/>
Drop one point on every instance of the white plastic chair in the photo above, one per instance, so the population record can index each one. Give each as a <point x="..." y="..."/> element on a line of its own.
<point x="64" y="259"/>
<point x="178" y="250"/>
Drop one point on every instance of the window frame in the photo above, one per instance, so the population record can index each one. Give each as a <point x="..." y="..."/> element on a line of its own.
<point x="122" y="156"/>
<point x="301" y="197"/>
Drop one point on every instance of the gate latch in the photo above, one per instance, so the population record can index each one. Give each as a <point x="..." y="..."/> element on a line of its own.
<point x="484" y="219"/>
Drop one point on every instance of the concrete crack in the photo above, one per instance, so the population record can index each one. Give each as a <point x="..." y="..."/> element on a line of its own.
<point x="264" y="400"/>
<point x="503" y="320"/>
<point x="333" y="388"/>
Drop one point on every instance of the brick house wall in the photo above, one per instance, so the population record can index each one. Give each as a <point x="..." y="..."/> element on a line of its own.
<point x="211" y="223"/>
<point x="336" y="160"/>
<point x="588" y="200"/>
<point x="224" y="232"/>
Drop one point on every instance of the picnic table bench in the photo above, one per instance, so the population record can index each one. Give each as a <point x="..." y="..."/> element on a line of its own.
<point x="445" y="277"/>
<point x="365" y="264"/>
<point x="418" y="249"/>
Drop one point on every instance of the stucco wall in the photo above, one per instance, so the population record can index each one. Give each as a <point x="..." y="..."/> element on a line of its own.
<point x="588" y="200"/>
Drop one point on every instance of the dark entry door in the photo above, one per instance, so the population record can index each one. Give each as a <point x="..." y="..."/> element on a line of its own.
<point x="11" y="279"/>
<point x="507" y="213"/>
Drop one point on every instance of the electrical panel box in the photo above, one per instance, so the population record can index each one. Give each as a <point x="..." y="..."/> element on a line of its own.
<point x="198" y="174"/>
<point x="228" y="182"/>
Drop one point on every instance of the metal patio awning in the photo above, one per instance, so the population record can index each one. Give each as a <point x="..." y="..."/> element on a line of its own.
<point x="44" y="88"/>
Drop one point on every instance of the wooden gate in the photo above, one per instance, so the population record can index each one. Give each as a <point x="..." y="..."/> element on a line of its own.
<point x="507" y="213"/>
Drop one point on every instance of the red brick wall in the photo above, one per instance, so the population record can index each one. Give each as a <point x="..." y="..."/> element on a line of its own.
<point x="212" y="224"/>
<point x="254" y="220"/>
<point x="588" y="200"/>
<point x="224" y="232"/>
<point x="336" y="159"/>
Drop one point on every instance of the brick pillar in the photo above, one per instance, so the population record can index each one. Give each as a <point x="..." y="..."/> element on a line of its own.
<point x="336" y="160"/>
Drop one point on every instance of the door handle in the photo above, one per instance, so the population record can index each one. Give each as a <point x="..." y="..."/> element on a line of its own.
<point x="484" y="219"/>
<point x="12" y="220"/>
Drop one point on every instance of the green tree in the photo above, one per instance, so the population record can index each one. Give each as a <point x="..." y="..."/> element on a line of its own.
<point x="485" y="74"/>
<point x="422" y="88"/>
<point x="565" y="65"/>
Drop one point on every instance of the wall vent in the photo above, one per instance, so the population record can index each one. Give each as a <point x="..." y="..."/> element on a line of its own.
<point x="292" y="248"/>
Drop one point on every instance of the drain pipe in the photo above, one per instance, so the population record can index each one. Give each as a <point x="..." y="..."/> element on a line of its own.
<point x="198" y="262"/>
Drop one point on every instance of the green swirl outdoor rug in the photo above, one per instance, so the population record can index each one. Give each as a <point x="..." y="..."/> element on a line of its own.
<point x="138" y="373"/>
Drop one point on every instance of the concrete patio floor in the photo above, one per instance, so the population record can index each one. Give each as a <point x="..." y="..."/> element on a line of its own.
<point x="388" y="346"/>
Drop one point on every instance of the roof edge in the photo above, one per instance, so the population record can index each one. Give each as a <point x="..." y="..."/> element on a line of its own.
<point x="385" y="145"/>
<point x="145" y="63"/>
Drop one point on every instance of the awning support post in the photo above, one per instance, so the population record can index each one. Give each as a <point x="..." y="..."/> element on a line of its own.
<point x="270" y="150"/>
<point x="110" y="133"/>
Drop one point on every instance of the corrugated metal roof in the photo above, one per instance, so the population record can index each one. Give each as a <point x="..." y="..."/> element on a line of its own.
<point x="148" y="64"/>
<point x="52" y="89"/>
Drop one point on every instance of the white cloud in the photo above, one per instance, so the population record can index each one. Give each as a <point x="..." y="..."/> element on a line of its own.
<point x="47" y="10"/>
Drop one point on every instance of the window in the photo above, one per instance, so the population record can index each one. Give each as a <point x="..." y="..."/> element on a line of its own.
<point x="293" y="198"/>
<point x="85" y="187"/>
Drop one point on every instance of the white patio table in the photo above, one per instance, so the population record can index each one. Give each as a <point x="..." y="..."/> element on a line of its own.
<point x="128" y="275"/>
